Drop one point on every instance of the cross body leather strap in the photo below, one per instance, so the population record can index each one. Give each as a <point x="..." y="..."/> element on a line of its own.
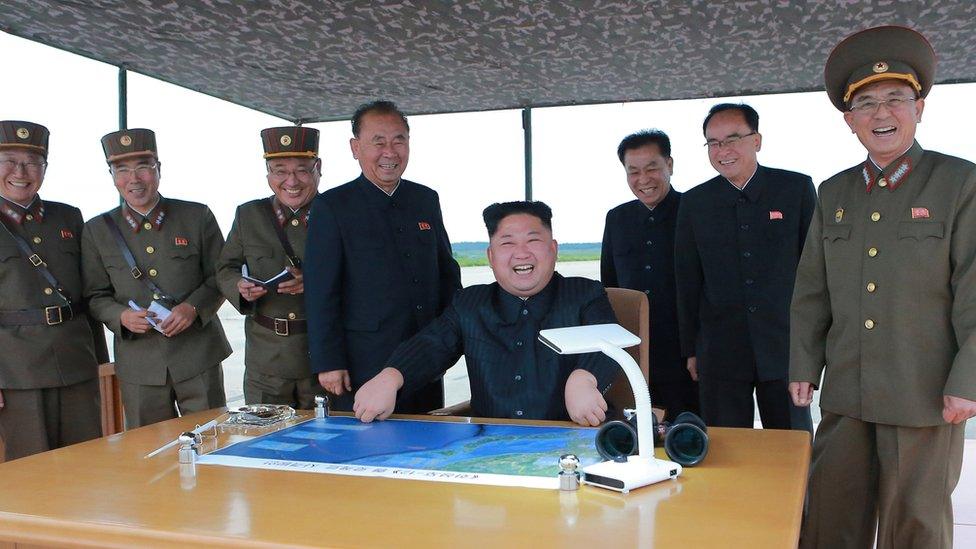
<point x="36" y="261"/>
<point x="158" y="293"/>
<point x="283" y="238"/>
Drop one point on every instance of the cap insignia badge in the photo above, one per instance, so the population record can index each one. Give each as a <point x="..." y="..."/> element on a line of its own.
<point x="839" y="215"/>
<point x="125" y="140"/>
<point x="880" y="67"/>
<point x="285" y="140"/>
<point x="23" y="133"/>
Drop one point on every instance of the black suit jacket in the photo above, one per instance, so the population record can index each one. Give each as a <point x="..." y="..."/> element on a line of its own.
<point x="492" y="329"/>
<point x="638" y="253"/>
<point x="377" y="269"/>
<point x="736" y="254"/>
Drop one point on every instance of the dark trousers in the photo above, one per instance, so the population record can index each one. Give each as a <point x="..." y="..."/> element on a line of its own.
<point x="261" y="388"/>
<point x="147" y="404"/>
<point x="870" y="476"/>
<point x="37" y="420"/>
<point x="729" y="403"/>
<point x="676" y="397"/>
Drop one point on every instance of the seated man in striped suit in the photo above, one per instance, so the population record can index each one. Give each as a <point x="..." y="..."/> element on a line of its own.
<point x="495" y="327"/>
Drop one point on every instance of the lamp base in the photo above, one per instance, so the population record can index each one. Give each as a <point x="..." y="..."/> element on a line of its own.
<point x="637" y="471"/>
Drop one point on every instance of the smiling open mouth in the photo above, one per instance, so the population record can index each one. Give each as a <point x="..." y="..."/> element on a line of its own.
<point x="886" y="130"/>
<point x="523" y="269"/>
<point x="389" y="166"/>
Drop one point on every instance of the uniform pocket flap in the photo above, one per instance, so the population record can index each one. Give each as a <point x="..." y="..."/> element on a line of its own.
<point x="183" y="252"/>
<point x="837" y="232"/>
<point x="920" y="230"/>
<point x="258" y="251"/>
<point x="7" y="252"/>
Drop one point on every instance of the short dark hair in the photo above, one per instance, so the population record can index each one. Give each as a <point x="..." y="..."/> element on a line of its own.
<point x="749" y="113"/>
<point x="378" y="107"/>
<point x="498" y="211"/>
<point x="639" y="139"/>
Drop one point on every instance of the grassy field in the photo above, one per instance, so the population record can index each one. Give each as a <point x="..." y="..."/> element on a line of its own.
<point x="472" y="254"/>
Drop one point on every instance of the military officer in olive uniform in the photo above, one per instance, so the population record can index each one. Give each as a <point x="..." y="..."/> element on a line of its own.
<point x="48" y="369"/>
<point x="155" y="249"/>
<point x="268" y="237"/>
<point x="884" y="308"/>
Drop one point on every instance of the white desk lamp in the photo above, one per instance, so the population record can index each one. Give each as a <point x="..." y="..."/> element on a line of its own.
<point x="611" y="339"/>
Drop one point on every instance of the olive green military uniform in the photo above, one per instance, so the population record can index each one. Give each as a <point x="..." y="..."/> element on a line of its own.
<point x="176" y="246"/>
<point x="884" y="307"/>
<point x="276" y="357"/>
<point x="48" y="366"/>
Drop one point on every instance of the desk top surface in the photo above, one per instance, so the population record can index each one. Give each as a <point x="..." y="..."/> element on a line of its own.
<point x="747" y="493"/>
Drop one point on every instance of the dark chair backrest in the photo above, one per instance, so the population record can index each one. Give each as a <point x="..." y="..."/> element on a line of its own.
<point x="632" y="310"/>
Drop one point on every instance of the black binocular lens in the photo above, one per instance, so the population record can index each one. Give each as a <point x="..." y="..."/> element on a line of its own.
<point x="685" y="441"/>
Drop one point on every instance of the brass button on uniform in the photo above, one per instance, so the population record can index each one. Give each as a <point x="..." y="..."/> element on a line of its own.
<point x="36" y="239"/>
<point x="292" y="316"/>
<point x="147" y="225"/>
<point x="153" y="272"/>
<point x="155" y="296"/>
<point x="882" y="182"/>
<point x="872" y="251"/>
<point x="872" y="287"/>
<point x="150" y="249"/>
<point x="30" y="217"/>
<point x="869" y="324"/>
<point x="294" y="222"/>
<point x="876" y="216"/>
<point x="48" y="291"/>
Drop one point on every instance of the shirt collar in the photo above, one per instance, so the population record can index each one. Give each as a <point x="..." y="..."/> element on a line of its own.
<point x="510" y="307"/>
<point x="18" y="214"/>
<point x="284" y="214"/>
<point x="751" y="177"/>
<point x="153" y="220"/>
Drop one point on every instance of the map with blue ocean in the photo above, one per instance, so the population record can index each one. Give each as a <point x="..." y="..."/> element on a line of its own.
<point x="511" y="455"/>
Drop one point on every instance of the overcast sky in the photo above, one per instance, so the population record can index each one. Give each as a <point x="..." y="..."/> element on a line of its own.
<point x="211" y="150"/>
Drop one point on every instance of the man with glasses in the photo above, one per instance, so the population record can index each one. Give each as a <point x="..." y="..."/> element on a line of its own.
<point x="48" y="369"/>
<point x="737" y="243"/>
<point x="379" y="265"/>
<point x="884" y="308"/>
<point x="149" y="271"/>
<point x="266" y="240"/>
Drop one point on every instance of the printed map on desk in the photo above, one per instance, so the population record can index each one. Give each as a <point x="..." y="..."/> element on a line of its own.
<point x="472" y="453"/>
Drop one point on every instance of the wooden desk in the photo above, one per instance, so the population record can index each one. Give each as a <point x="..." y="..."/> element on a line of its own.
<point x="748" y="493"/>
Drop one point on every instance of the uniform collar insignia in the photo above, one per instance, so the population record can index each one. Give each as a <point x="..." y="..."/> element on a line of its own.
<point x="283" y="213"/>
<point x="18" y="214"/>
<point x="154" y="219"/>
<point x="895" y="173"/>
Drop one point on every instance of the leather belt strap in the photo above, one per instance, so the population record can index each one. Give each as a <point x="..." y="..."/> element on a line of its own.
<point x="157" y="292"/>
<point x="282" y="326"/>
<point x="283" y="238"/>
<point x="37" y="262"/>
<point x="48" y="316"/>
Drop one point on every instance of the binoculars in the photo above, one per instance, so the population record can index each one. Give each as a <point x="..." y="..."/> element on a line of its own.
<point x="685" y="440"/>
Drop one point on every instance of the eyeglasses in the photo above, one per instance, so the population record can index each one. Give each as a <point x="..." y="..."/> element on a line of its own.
<point x="32" y="167"/>
<point x="141" y="170"/>
<point x="299" y="173"/>
<point x="715" y="144"/>
<point x="871" y="107"/>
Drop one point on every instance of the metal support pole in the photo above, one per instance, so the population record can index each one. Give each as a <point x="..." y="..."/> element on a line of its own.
<point x="527" y="132"/>
<point x="123" y="99"/>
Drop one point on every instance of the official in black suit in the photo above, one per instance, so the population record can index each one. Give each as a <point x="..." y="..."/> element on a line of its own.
<point x="495" y="327"/>
<point x="737" y="245"/>
<point x="378" y="264"/>
<point x="638" y="253"/>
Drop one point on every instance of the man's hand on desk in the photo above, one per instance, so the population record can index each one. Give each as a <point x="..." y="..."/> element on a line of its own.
<point x="584" y="402"/>
<point x="336" y="382"/>
<point x="377" y="397"/>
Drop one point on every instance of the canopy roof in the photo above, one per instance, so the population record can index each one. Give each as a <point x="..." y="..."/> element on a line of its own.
<point x="317" y="60"/>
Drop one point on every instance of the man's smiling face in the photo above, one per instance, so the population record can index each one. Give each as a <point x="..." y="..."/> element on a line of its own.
<point x="648" y="173"/>
<point x="886" y="132"/>
<point x="522" y="255"/>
